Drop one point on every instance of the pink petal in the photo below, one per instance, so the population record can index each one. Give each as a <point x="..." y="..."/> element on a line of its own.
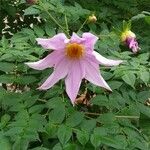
<point x="75" y="38"/>
<point x="73" y="80"/>
<point x="93" y="75"/>
<point x="60" y="71"/>
<point x="57" y="42"/>
<point x="132" y="43"/>
<point x="46" y="62"/>
<point x="106" y="62"/>
<point x="90" y="40"/>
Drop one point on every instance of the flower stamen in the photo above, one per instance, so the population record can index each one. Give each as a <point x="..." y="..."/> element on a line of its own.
<point x="75" y="50"/>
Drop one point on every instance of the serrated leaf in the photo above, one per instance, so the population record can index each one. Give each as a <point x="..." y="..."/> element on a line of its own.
<point x="26" y="79"/>
<point x="82" y="137"/>
<point x="51" y="130"/>
<point x="4" y="120"/>
<point x="54" y="102"/>
<point x="144" y="109"/>
<point x="39" y="148"/>
<point x="114" y="84"/>
<point x="57" y="115"/>
<point x="107" y="118"/>
<point x="57" y="147"/>
<point x="100" y="100"/>
<point x="7" y="67"/>
<point x="145" y="76"/>
<point x="88" y="125"/>
<point x="38" y="31"/>
<point x="118" y="142"/>
<point x="75" y="119"/>
<point x="49" y="30"/>
<point x="31" y="11"/>
<point x="129" y="78"/>
<point x="64" y="134"/>
<point x="7" y="78"/>
<point x="4" y="143"/>
<point x="95" y="140"/>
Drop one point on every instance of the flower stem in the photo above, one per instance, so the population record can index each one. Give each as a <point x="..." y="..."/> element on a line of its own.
<point x="53" y="19"/>
<point x="82" y="24"/>
<point x="128" y="117"/>
<point x="66" y="21"/>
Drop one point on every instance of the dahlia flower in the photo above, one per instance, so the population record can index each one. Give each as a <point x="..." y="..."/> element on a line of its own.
<point x="72" y="59"/>
<point x="129" y="38"/>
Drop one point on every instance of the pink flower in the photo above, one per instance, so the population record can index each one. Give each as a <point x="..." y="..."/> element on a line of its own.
<point x="129" y="38"/>
<point x="72" y="59"/>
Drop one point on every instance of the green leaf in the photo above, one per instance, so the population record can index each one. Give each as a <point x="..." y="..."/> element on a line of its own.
<point x="4" y="120"/>
<point x="25" y="79"/>
<point x="31" y="11"/>
<point x="88" y="125"/>
<point x="38" y="31"/>
<point x="4" y="143"/>
<point x="145" y="76"/>
<point x="57" y="115"/>
<point x="107" y="118"/>
<point x="51" y="130"/>
<point x="147" y="19"/>
<point x="144" y="109"/>
<point x="7" y="78"/>
<point x="75" y="119"/>
<point x="143" y="96"/>
<point x="64" y="134"/>
<point x="144" y="57"/>
<point x="7" y="67"/>
<point x="57" y="147"/>
<point x="129" y="78"/>
<point x="100" y="100"/>
<point x="20" y="144"/>
<point x="95" y="140"/>
<point x="56" y="90"/>
<point x="114" y="84"/>
<point x="4" y="42"/>
<point x="82" y="137"/>
<point x="101" y="131"/>
<point x="54" y="102"/>
<point x="36" y="108"/>
<point x="117" y="142"/>
<point x="70" y="146"/>
<point x="39" y="148"/>
<point x="49" y="30"/>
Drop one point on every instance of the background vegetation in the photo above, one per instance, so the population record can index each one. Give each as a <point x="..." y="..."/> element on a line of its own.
<point x="35" y="120"/>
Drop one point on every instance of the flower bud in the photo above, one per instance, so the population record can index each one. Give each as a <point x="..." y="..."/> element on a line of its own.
<point x="129" y="39"/>
<point x="92" y="18"/>
<point x="31" y="2"/>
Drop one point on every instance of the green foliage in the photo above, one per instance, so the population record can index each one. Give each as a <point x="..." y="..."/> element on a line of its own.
<point x="45" y="120"/>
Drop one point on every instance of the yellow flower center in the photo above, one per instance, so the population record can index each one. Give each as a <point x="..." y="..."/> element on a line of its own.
<point x="74" y="50"/>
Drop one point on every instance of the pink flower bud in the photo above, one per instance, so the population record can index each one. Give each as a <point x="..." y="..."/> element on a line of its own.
<point x="129" y="39"/>
<point x="31" y="2"/>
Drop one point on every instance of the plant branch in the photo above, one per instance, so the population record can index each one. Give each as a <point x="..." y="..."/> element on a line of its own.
<point x="53" y="19"/>
<point x="82" y="25"/>
<point x="117" y="116"/>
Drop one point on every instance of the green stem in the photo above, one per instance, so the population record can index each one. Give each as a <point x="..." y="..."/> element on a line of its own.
<point x="128" y="117"/>
<point x="117" y="116"/>
<point x="42" y="100"/>
<point x="53" y="19"/>
<point x="66" y="21"/>
<point x="82" y="25"/>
